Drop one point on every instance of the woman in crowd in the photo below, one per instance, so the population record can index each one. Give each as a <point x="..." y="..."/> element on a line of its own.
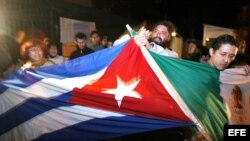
<point x="53" y="53"/>
<point x="33" y="54"/>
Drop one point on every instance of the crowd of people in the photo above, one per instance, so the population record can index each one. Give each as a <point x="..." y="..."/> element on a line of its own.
<point x="226" y="51"/>
<point x="37" y="53"/>
<point x="223" y="53"/>
<point x="220" y="55"/>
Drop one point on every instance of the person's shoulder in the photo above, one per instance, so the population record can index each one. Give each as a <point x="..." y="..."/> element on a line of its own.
<point x="89" y="49"/>
<point x="74" y="53"/>
<point x="59" y="57"/>
<point x="49" y="63"/>
<point x="173" y="54"/>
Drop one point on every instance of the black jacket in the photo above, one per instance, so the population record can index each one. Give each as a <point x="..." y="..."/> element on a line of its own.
<point x="80" y="52"/>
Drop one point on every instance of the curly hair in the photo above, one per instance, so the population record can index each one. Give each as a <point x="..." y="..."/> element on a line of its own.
<point x="29" y="44"/>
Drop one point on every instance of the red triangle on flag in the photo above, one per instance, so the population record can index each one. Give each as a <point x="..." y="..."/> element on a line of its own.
<point x="130" y="86"/>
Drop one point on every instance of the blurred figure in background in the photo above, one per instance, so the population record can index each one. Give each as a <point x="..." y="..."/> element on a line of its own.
<point x="95" y="41"/>
<point x="192" y="51"/>
<point x="195" y="51"/>
<point x="242" y="46"/>
<point x="240" y="40"/>
<point x="9" y="54"/>
<point x="241" y="59"/>
<point x="53" y="53"/>
<point x="104" y="42"/>
<point x="81" y="43"/>
<point x="46" y="41"/>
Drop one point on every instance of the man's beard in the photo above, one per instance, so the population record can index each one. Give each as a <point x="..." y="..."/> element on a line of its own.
<point x="164" y="44"/>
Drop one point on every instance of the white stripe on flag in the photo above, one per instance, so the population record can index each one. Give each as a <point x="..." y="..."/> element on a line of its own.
<point x="54" y="120"/>
<point x="45" y="89"/>
<point x="174" y="94"/>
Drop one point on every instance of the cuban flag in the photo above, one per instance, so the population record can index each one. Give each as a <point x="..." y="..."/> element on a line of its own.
<point x="114" y="92"/>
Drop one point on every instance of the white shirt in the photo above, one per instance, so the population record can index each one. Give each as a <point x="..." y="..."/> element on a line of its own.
<point x="57" y="60"/>
<point x="165" y="52"/>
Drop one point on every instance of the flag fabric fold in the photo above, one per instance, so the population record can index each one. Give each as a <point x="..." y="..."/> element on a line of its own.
<point x="110" y="93"/>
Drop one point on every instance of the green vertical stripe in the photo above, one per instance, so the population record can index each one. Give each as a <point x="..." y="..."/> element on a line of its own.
<point x="198" y="85"/>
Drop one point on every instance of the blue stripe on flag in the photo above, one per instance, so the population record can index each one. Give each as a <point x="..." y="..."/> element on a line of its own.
<point x="21" y="78"/>
<point x="35" y="109"/>
<point x="92" y="63"/>
<point x="32" y="107"/>
<point x="2" y="88"/>
<point x="104" y="128"/>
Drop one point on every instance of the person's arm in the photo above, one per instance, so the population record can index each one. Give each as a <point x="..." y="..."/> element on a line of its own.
<point x="245" y="67"/>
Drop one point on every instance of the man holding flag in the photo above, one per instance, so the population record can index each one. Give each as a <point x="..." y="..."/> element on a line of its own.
<point x="131" y="90"/>
<point x="159" y="40"/>
<point x="222" y="53"/>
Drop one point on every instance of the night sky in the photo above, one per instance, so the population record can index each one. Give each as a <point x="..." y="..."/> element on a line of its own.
<point x="188" y="15"/>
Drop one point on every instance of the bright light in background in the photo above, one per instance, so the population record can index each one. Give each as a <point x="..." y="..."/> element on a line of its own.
<point x="174" y="34"/>
<point x="177" y="43"/>
<point x="207" y="39"/>
<point x="20" y="37"/>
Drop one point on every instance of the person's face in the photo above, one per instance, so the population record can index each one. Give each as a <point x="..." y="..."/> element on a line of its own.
<point x="222" y="57"/>
<point x="35" y="53"/>
<point x="46" y="41"/>
<point x="53" y="51"/>
<point x="81" y="43"/>
<point x="192" y="48"/>
<point x="242" y="47"/>
<point x="160" y="35"/>
<point x="95" y="39"/>
<point x="104" y="42"/>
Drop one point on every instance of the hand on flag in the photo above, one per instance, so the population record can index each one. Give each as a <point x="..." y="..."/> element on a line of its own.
<point x="141" y="38"/>
<point x="247" y="69"/>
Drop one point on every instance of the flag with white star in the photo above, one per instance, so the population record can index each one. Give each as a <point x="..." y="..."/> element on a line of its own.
<point x="129" y="85"/>
<point x="110" y="93"/>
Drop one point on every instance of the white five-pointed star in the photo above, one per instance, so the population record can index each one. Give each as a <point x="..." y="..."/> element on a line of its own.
<point x="123" y="89"/>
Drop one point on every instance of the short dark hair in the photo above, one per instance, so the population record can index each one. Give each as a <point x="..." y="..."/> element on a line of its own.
<point x="224" y="39"/>
<point x="80" y="35"/>
<point x="196" y="42"/>
<point x="52" y="43"/>
<point x="95" y="32"/>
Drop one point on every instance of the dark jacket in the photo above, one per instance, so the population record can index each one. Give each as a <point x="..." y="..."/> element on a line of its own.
<point x="80" y="52"/>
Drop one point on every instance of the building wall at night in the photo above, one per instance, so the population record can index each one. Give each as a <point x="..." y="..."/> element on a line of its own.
<point x="39" y="18"/>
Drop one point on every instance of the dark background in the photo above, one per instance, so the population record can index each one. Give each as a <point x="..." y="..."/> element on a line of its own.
<point x="188" y="15"/>
<point x="41" y="17"/>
